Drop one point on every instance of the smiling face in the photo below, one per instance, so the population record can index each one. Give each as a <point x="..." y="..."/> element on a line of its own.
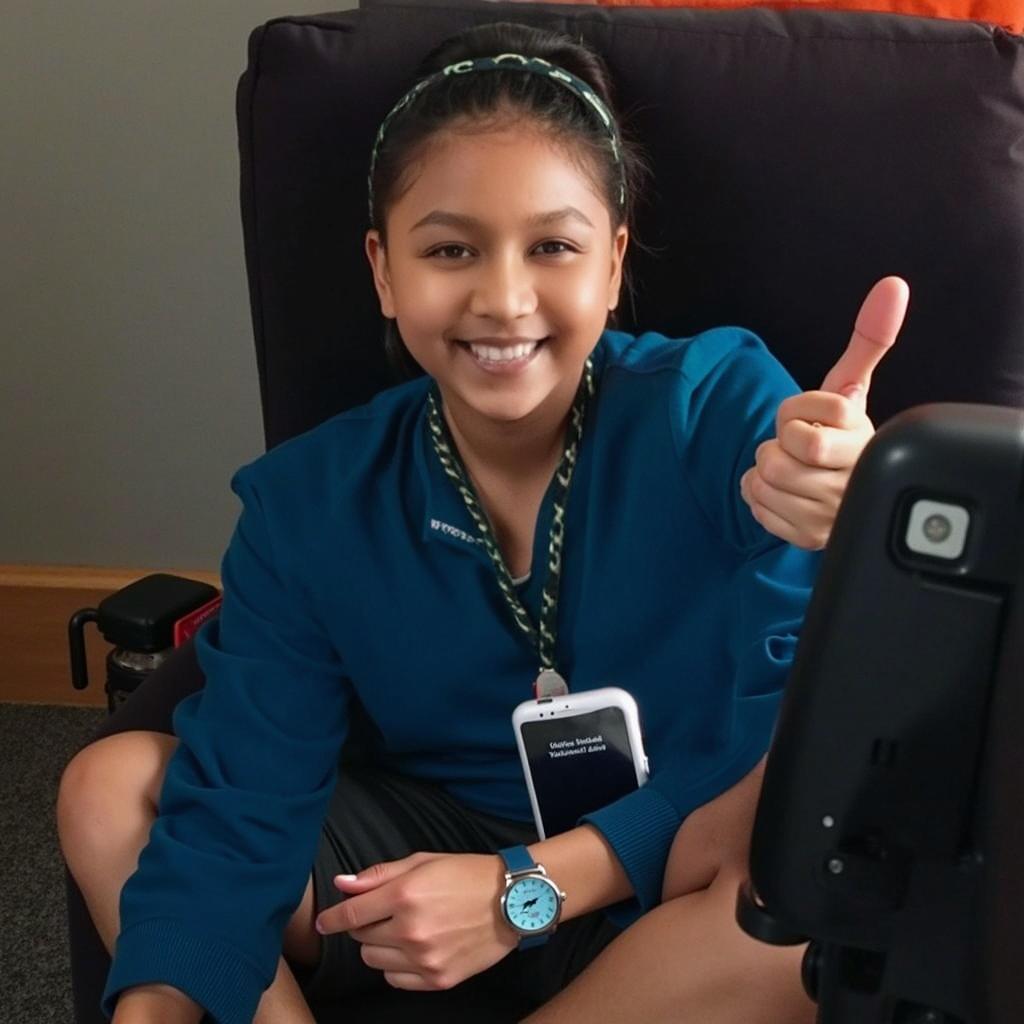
<point x="500" y="267"/>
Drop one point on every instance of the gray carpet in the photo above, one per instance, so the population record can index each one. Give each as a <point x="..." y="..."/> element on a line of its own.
<point x="36" y="742"/>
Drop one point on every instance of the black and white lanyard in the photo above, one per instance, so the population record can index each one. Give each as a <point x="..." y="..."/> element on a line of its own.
<point x="549" y="681"/>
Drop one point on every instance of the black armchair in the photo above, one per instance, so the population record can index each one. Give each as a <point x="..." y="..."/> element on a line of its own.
<point x="798" y="157"/>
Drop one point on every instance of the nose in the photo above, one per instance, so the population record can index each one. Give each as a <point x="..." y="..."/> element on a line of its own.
<point x="503" y="289"/>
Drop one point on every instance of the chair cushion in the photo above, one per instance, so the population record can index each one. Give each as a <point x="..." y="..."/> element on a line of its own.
<point x="1008" y="14"/>
<point x="798" y="156"/>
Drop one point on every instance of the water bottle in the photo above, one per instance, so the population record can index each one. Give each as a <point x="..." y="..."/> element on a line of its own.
<point x="145" y="621"/>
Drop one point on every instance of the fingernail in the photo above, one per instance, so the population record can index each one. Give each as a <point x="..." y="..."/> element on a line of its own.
<point x="344" y="878"/>
<point x="319" y="926"/>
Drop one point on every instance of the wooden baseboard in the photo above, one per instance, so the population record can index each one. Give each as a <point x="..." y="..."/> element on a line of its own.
<point x="36" y="604"/>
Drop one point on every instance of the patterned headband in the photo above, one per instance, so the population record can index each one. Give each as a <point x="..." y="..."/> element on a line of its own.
<point x="514" y="61"/>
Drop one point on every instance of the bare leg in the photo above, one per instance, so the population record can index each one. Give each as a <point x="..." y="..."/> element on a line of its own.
<point x="687" y="961"/>
<point x="106" y="806"/>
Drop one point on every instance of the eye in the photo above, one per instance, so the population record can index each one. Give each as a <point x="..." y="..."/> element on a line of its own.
<point x="447" y="251"/>
<point x="565" y="247"/>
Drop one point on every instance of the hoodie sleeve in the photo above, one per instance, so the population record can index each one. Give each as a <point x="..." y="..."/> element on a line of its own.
<point x="246" y="790"/>
<point x="730" y="390"/>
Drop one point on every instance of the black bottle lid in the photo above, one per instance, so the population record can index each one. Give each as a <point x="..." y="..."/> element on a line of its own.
<point x="142" y="615"/>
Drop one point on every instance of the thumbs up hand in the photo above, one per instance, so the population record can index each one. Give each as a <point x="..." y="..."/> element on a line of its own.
<point x="799" y="476"/>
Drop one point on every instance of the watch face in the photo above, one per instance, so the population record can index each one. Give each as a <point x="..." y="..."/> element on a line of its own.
<point x="531" y="904"/>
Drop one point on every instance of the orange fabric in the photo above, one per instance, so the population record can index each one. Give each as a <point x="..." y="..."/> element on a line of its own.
<point x="1008" y="14"/>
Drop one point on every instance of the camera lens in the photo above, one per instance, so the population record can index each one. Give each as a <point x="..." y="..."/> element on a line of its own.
<point x="937" y="528"/>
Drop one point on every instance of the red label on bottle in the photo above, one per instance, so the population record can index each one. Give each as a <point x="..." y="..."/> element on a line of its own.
<point x="187" y="625"/>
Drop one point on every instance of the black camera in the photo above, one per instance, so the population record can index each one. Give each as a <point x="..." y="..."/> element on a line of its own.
<point x="889" y="831"/>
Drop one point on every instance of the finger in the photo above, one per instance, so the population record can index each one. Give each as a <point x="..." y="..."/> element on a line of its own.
<point x="406" y="980"/>
<point x="745" y="485"/>
<point x="357" y="911"/>
<point x="809" y="509"/>
<point x="352" y="885"/>
<point x="820" y="447"/>
<point x="378" y="874"/>
<point x="800" y="521"/>
<point x="808" y="482"/>
<point x="773" y="523"/>
<point x="381" y="933"/>
<point x="821" y="407"/>
<point x="783" y="529"/>
<point x="878" y="323"/>
<point x="386" y="958"/>
<point x="775" y="467"/>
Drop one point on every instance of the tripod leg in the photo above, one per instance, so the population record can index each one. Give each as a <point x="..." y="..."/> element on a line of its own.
<point x="847" y="984"/>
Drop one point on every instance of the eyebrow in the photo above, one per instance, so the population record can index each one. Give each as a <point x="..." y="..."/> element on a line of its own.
<point x="458" y="220"/>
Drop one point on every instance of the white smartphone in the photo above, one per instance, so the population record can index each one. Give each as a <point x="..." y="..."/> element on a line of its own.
<point x="580" y="752"/>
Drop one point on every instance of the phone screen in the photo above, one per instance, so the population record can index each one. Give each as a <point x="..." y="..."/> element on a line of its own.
<point x="579" y="764"/>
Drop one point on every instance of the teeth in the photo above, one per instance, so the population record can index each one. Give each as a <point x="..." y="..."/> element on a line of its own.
<point x="502" y="355"/>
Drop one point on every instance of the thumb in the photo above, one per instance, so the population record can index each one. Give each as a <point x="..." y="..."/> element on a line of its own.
<point x="377" y="874"/>
<point x="878" y="324"/>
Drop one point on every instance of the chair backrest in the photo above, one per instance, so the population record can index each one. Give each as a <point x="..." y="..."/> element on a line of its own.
<point x="797" y="157"/>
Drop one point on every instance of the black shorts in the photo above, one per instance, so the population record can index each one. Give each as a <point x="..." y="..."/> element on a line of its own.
<point x="378" y="816"/>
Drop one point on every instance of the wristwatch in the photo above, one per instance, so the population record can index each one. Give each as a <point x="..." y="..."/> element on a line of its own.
<point x="531" y="902"/>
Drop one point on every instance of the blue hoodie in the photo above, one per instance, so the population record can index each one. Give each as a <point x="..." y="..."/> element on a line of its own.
<point x="354" y="572"/>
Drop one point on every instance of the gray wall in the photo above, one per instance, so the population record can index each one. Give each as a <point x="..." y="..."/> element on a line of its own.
<point x="128" y="388"/>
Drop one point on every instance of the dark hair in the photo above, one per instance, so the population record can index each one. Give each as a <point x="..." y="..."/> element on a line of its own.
<point x="487" y="97"/>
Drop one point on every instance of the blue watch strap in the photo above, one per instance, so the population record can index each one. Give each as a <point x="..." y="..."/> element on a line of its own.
<point x="517" y="858"/>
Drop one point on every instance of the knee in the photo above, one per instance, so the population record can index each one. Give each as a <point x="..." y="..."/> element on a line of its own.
<point x="714" y="839"/>
<point x="700" y="861"/>
<point x="109" y="783"/>
<point x="692" y="864"/>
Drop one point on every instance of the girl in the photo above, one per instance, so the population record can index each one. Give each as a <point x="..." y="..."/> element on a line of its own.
<point x="551" y="494"/>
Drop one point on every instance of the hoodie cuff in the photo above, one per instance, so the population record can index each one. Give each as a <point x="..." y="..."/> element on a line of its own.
<point x="166" y="952"/>
<point x="640" y="827"/>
